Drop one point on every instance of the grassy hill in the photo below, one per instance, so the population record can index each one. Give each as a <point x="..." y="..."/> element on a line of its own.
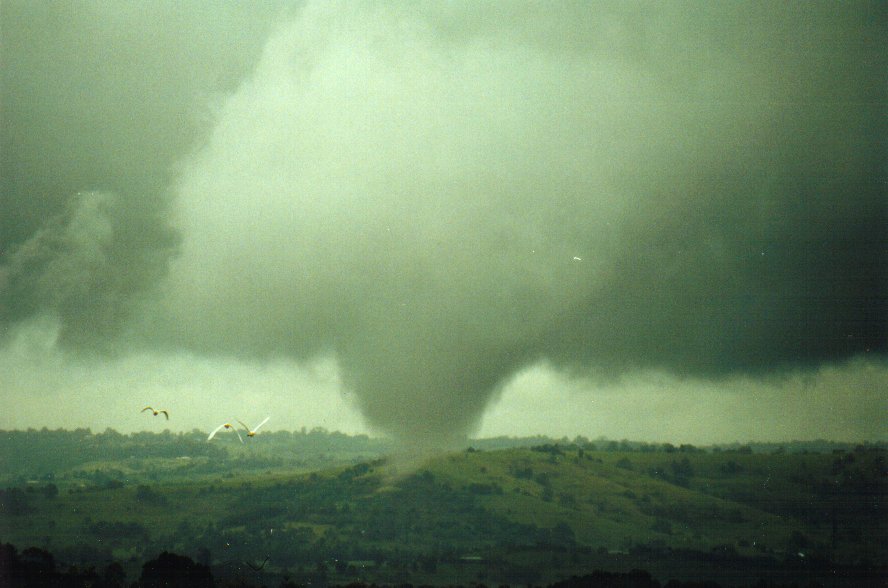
<point x="514" y="515"/>
<point x="34" y="455"/>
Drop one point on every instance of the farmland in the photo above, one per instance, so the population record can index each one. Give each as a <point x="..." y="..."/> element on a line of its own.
<point x="509" y="515"/>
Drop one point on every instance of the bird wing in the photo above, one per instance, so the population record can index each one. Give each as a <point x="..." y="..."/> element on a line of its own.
<point x="216" y="430"/>
<point x="165" y="413"/>
<point x="238" y="435"/>
<point x="260" y="424"/>
<point x="147" y="408"/>
<point x="257" y="568"/>
<point x="246" y="428"/>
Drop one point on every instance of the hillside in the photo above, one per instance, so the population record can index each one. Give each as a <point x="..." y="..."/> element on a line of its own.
<point x="53" y="455"/>
<point x="511" y="516"/>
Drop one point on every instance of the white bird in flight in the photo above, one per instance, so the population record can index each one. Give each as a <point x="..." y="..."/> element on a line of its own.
<point x="156" y="412"/>
<point x="225" y="426"/>
<point x="252" y="433"/>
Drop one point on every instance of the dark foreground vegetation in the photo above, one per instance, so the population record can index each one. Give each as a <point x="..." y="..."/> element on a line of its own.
<point x="35" y="568"/>
<point x="566" y="513"/>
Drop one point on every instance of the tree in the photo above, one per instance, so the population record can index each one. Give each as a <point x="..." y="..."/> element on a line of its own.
<point x="548" y="494"/>
<point x="683" y="468"/>
<point x="147" y="495"/>
<point x="38" y="567"/>
<point x="9" y="564"/>
<point x="114" y="576"/>
<point x="562" y="534"/>
<point x="662" y="526"/>
<point x="170" y="570"/>
<point x="204" y="556"/>
<point x="13" y="501"/>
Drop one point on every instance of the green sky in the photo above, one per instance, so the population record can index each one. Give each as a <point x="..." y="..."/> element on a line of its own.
<point x="661" y="221"/>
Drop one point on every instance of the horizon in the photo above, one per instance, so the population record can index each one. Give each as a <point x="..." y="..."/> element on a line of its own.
<point x="566" y="440"/>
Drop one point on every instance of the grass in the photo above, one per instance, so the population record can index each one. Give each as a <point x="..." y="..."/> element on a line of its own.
<point x="604" y="502"/>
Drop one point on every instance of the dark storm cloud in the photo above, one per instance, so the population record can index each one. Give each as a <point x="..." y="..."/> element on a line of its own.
<point x="442" y="194"/>
<point x="104" y="97"/>
<point x="752" y="274"/>
<point x="88" y="266"/>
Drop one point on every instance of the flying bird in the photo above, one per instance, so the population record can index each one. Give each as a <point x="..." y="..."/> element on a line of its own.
<point x="225" y="426"/>
<point x="157" y="412"/>
<point x="252" y="433"/>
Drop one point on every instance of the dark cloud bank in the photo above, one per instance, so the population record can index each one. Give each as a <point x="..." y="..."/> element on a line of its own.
<point x="443" y="194"/>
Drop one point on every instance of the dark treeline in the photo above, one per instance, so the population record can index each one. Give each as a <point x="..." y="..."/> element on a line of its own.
<point x="605" y="444"/>
<point x="34" y="567"/>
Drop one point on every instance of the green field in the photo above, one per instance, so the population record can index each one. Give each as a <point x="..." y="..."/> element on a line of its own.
<point x="516" y="515"/>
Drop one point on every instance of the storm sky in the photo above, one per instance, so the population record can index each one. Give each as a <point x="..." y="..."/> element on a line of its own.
<point x="657" y="221"/>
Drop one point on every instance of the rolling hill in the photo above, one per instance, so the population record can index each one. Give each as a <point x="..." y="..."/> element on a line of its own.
<point x="515" y="515"/>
